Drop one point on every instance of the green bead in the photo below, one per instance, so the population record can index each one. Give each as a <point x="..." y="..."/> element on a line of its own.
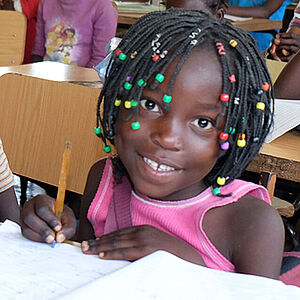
<point x="160" y="77"/>
<point x="134" y="103"/>
<point x="97" y="130"/>
<point x="127" y="86"/>
<point x="141" y="83"/>
<point x="167" y="98"/>
<point x="216" y="191"/>
<point x="107" y="149"/>
<point x="231" y="130"/>
<point x="122" y="56"/>
<point x="135" y="125"/>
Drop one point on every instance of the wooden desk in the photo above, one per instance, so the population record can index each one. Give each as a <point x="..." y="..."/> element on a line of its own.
<point x="256" y="24"/>
<point x="282" y="157"/>
<point x="54" y="71"/>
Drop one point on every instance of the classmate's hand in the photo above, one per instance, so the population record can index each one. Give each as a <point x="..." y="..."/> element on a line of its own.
<point x="285" y="45"/>
<point x="39" y="223"/>
<point x="136" y="242"/>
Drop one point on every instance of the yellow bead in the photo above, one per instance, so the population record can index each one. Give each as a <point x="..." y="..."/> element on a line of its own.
<point x="118" y="102"/>
<point x="233" y="43"/>
<point x="127" y="104"/>
<point x="241" y="143"/>
<point x="221" y="180"/>
<point x="260" y="105"/>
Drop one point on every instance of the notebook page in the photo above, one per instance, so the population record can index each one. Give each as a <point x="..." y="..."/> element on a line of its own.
<point x="162" y="276"/>
<point x="31" y="270"/>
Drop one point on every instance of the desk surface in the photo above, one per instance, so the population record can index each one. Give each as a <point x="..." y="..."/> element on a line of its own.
<point x="54" y="71"/>
<point x="256" y="24"/>
<point x="282" y="156"/>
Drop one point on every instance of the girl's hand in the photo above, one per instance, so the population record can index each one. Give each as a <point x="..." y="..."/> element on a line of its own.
<point x="39" y="223"/>
<point x="136" y="242"/>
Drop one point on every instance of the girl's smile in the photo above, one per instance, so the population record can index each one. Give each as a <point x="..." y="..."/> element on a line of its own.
<point x="168" y="157"/>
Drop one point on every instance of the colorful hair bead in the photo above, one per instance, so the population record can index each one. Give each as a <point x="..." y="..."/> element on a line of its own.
<point x="255" y="139"/>
<point x="141" y="83"/>
<point x="122" y="56"/>
<point x="107" y="149"/>
<point x="160" y="77"/>
<point x="265" y="86"/>
<point x="241" y="142"/>
<point x="127" y="86"/>
<point x="133" y="55"/>
<point x="118" y="102"/>
<point x="232" y="130"/>
<point x="224" y="97"/>
<point x="225" y="146"/>
<point x="221" y="180"/>
<point x="223" y="136"/>
<point x="128" y="78"/>
<point x="127" y="104"/>
<point x="260" y="105"/>
<point x="134" y="103"/>
<point x="216" y="192"/>
<point x="259" y="92"/>
<point x="97" y="130"/>
<point x="221" y="49"/>
<point x="135" y="125"/>
<point x="167" y="98"/>
<point x="232" y="78"/>
<point x="155" y="57"/>
<point x="233" y="43"/>
<point x="118" y="52"/>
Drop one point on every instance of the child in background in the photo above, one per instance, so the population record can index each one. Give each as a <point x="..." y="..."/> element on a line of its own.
<point x="29" y="9"/>
<point x="215" y="7"/>
<point x="270" y="9"/>
<point x="74" y="31"/>
<point x="9" y="208"/>
<point x="287" y="44"/>
<point x="187" y="103"/>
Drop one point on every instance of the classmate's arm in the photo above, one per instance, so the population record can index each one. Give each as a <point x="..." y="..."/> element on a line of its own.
<point x="263" y="11"/>
<point x="85" y="230"/>
<point x="105" y="26"/>
<point x="9" y="208"/>
<point x="287" y="84"/>
<point x="258" y="238"/>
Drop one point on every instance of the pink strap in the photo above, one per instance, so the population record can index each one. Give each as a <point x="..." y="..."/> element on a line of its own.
<point x="119" y="215"/>
<point x="292" y="253"/>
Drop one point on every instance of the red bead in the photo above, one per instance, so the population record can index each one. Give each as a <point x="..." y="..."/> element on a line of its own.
<point x="224" y="136"/>
<point x="232" y="78"/>
<point x="155" y="57"/>
<point x="118" y="52"/>
<point x="224" y="97"/>
<point x="265" y="86"/>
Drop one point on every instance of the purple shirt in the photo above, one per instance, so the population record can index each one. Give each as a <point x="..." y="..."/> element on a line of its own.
<point x="74" y="31"/>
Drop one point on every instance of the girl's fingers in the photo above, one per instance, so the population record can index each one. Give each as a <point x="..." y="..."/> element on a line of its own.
<point x="34" y="236"/>
<point x="130" y="254"/>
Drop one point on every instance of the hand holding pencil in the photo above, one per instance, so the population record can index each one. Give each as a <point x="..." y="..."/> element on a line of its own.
<point x="45" y="219"/>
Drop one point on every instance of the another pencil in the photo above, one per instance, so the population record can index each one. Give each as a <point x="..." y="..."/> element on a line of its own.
<point x="62" y="185"/>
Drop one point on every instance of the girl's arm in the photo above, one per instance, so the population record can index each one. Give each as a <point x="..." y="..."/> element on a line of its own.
<point x="85" y="230"/>
<point x="263" y="11"/>
<point x="287" y="84"/>
<point x="257" y="238"/>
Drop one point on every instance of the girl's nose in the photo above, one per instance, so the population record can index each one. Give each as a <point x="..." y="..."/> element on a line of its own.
<point x="168" y="134"/>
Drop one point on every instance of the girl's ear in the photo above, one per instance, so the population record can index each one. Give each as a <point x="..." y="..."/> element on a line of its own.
<point x="220" y="13"/>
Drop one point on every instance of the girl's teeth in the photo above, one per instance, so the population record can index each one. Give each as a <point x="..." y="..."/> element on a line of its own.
<point x="154" y="165"/>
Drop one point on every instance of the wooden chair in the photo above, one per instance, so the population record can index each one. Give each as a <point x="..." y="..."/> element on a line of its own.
<point x="12" y="37"/>
<point x="37" y="116"/>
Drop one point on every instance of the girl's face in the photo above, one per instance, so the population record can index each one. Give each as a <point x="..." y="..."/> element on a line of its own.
<point x="171" y="153"/>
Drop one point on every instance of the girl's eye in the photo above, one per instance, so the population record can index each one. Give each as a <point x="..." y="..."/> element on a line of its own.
<point x="149" y="105"/>
<point x="203" y="123"/>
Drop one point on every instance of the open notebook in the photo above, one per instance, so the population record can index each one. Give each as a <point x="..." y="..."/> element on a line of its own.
<point x="30" y="270"/>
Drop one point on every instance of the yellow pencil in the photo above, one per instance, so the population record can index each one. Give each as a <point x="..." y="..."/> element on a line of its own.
<point x="62" y="185"/>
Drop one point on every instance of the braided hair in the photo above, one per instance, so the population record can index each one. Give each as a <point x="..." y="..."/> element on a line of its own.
<point x="147" y="50"/>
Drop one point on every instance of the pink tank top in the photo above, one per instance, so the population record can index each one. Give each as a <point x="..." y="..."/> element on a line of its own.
<point x="182" y="219"/>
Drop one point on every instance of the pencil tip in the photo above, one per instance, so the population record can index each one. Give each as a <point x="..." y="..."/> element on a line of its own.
<point x="53" y="244"/>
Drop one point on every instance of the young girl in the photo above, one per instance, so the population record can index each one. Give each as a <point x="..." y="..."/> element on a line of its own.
<point x="187" y="103"/>
<point x="269" y="9"/>
<point x="74" y="31"/>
